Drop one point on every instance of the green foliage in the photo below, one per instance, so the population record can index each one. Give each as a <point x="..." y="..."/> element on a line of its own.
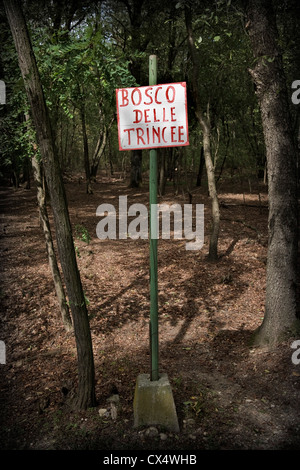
<point x="196" y="404"/>
<point x="16" y="136"/>
<point x="80" y="67"/>
<point x="82" y="63"/>
<point x="82" y="233"/>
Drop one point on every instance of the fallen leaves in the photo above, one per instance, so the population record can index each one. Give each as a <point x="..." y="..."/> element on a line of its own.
<point x="207" y="312"/>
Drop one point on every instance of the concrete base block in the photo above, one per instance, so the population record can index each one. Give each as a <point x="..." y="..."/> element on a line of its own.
<point x="154" y="404"/>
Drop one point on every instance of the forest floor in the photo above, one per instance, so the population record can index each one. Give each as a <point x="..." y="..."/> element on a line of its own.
<point x="228" y="394"/>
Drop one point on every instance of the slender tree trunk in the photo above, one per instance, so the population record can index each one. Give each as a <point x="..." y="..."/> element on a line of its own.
<point x="162" y="178"/>
<point x="205" y="125"/>
<point x="268" y="76"/>
<point x="60" y="293"/>
<point x="100" y="147"/>
<point x="136" y="168"/>
<point x="28" y="67"/>
<point x="85" y="151"/>
<point x="200" y="170"/>
<point x="134" y="9"/>
<point x="215" y="210"/>
<point x="41" y="200"/>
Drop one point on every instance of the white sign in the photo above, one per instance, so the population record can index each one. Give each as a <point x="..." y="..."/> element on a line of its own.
<point x="152" y="116"/>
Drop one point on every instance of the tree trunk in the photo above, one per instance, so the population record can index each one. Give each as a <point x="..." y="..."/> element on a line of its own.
<point x="215" y="210"/>
<point x="205" y="125"/>
<point x="136" y="169"/>
<point x="134" y="9"/>
<point x="85" y="151"/>
<point x="28" y="67"/>
<point x="41" y="200"/>
<point x="268" y="75"/>
<point x="200" y="170"/>
<point x="162" y="178"/>
<point x="60" y="294"/>
<point x="100" y="147"/>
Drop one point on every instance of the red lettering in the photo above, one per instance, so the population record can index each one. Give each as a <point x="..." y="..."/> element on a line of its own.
<point x="155" y="135"/>
<point x="139" y="134"/>
<point x="139" y="96"/>
<point x="163" y="134"/>
<point x="124" y="94"/>
<point x="147" y="119"/>
<point x="167" y="94"/>
<point x="154" y="115"/>
<point x="128" y="130"/>
<point x="138" y="115"/>
<point x="172" y="134"/>
<point x="173" y="115"/>
<point x="180" y="133"/>
<point x="148" y="95"/>
<point x="156" y="93"/>
<point x="164" y="115"/>
<point x="156" y="132"/>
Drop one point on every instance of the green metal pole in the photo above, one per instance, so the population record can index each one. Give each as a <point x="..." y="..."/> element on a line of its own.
<point x="153" y="243"/>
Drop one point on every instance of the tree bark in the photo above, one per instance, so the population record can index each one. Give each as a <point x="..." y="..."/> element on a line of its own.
<point x="136" y="168"/>
<point x="136" y="19"/>
<point x="200" y="170"/>
<point x="28" y="67"/>
<point x="205" y="125"/>
<point x="41" y="200"/>
<point x="99" y="150"/>
<point x="162" y="178"/>
<point x="85" y="151"/>
<point x="280" y="317"/>
<point x="60" y="293"/>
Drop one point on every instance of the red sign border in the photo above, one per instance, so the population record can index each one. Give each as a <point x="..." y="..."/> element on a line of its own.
<point x="160" y="146"/>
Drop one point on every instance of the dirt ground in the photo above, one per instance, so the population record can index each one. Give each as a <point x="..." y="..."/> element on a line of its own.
<point x="228" y="394"/>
